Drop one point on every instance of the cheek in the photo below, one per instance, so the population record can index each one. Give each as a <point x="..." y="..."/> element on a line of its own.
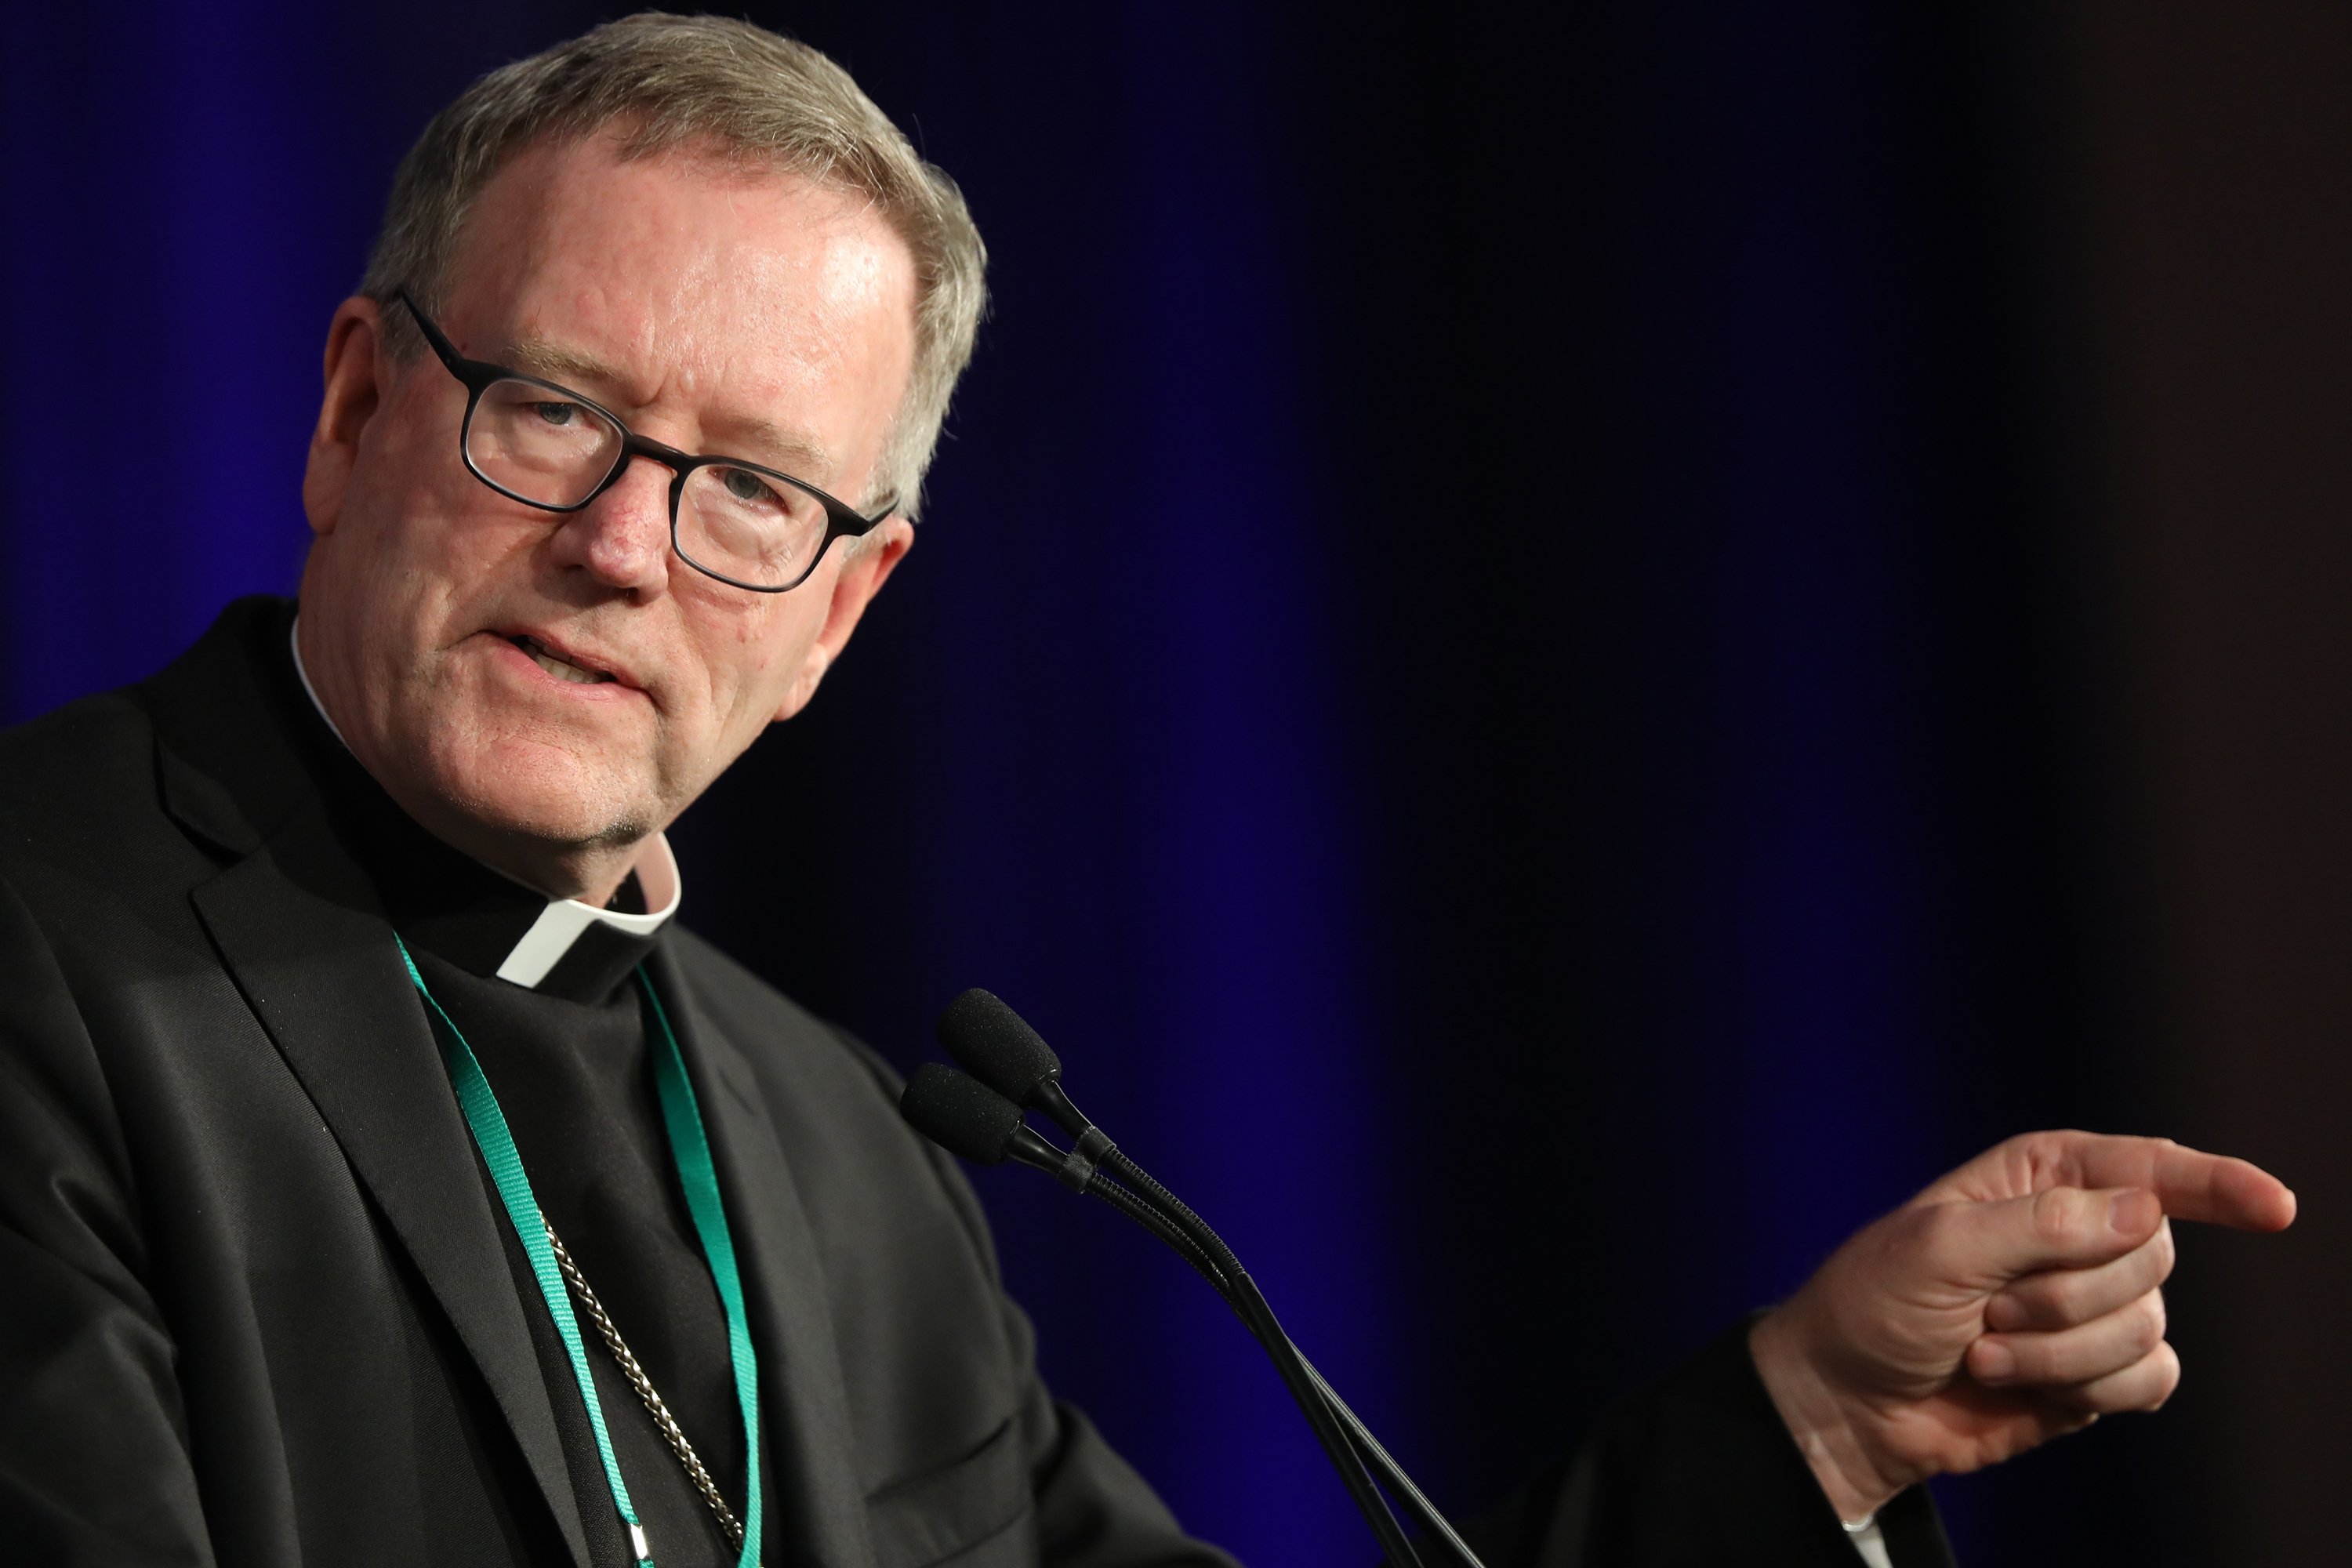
<point x="421" y="558"/>
<point x="754" y="664"/>
<point x="428" y="530"/>
<point x="392" y="515"/>
<point x="405" y="448"/>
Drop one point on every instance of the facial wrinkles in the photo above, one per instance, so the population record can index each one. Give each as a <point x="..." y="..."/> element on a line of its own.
<point x="704" y="388"/>
<point x="712" y="304"/>
<point x="718" y="371"/>
<point x="660" y="650"/>
<point x="710" y="330"/>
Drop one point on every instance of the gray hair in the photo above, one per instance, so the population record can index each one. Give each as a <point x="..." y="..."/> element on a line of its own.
<point x="668" y="82"/>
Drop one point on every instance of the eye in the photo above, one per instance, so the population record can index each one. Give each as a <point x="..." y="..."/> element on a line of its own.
<point x="559" y="415"/>
<point x="745" y="486"/>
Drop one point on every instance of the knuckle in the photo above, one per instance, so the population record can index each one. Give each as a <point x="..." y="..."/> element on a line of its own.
<point x="2024" y="1304"/>
<point x="2057" y="1216"/>
<point x="2144" y="1324"/>
<point x="1933" y="1228"/>
<point x="2063" y="1297"/>
<point x="2041" y="1302"/>
<point x="2024" y="1364"/>
<point x="2167" y="1379"/>
<point x="2030" y="1152"/>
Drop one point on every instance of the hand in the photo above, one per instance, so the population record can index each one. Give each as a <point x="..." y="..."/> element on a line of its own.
<point x="2013" y="1302"/>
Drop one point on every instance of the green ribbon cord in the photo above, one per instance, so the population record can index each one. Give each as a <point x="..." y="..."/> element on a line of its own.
<point x="691" y="1149"/>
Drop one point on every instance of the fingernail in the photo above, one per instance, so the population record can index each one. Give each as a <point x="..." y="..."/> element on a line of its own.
<point x="1993" y="1361"/>
<point x="2133" y="1212"/>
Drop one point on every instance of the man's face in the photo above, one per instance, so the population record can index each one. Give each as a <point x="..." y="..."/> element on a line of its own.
<point x="719" y="309"/>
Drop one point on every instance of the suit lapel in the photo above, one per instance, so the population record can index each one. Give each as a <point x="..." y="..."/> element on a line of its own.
<point x="322" y="972"/>
<point x="295" y="921"/>
<point x="820" y="1519"/>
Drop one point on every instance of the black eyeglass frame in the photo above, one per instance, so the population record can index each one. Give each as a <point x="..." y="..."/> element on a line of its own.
<point x="842" y="521"/>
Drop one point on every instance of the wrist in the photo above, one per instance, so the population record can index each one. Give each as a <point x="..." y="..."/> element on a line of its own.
<point x="1827" y="1425"/>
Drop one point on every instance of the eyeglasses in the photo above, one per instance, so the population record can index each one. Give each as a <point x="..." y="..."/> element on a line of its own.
<point x="548" y="447"/>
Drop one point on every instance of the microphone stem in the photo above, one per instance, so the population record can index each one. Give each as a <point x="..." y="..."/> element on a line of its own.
<point x="1366" y="1447"/>
<point x="1351" y="1445"/>
<point x="1344" y="1457"/>
<point x="1390" y="1471"/>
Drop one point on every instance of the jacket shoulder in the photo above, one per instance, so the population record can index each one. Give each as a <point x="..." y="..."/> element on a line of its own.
<point x="99" y="786"/>
<point x="766" y="1024"/>
<point x="75" y="781"/>
<point x="832" y="1086"/>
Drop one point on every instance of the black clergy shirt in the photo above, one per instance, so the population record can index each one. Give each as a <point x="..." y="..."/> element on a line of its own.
<point x="572" y="1064"/>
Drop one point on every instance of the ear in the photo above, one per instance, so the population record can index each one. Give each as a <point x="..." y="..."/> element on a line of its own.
<point x="355" y="370"/>
<point x="852" y="589"/>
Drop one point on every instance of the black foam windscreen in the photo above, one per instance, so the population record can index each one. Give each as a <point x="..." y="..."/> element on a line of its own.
<point x="960" y="1113"/>
<point x="990" y="1040"/>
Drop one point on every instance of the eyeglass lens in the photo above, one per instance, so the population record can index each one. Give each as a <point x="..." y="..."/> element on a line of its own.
<point x="535" y="444"/>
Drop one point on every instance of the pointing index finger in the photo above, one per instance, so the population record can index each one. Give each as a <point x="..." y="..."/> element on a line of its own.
<point x="2190" y="1183"/>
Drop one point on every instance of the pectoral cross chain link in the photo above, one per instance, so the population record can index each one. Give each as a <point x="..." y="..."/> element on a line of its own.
<point x="627" y="1362"/>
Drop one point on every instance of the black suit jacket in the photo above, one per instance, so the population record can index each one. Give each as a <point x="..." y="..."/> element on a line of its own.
<point x="254" y="1304"/>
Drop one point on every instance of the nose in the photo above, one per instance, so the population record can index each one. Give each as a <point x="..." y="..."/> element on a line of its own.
<point x="622" y="538"/>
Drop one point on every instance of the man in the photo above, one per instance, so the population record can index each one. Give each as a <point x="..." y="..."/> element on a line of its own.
<point x="384" y="1177"/>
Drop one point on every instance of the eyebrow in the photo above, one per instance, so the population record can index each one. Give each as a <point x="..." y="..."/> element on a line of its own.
<point x="762" y="441"/>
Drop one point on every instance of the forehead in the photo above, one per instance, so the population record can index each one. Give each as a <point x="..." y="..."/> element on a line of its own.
<point x="696" y="271"/>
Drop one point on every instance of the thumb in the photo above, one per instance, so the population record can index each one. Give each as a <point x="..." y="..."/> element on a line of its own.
<point x="1987" y="1244"/>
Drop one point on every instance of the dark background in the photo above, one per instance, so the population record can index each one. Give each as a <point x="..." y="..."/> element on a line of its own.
<point x="1562" y="661"/>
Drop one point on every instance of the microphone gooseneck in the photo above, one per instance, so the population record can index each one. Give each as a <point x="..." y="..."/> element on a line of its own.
<point x="1014" y="1067"/>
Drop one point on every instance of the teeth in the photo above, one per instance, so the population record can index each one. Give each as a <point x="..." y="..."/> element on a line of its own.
<point x="556" y="666"/>
<point x="563" y="671"/>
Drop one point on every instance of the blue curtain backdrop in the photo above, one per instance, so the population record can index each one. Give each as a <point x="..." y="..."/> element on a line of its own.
<point x="1486" y="659"/>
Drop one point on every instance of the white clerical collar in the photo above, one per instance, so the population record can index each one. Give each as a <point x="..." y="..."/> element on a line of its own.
<point x="561" y="924"/>
<point x="565" y="920"/>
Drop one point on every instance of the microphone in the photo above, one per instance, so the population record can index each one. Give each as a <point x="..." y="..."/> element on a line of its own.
<point x="1012" y="1059"/>
<point x="967" y="1117"/>
<point x="997" y="1047"/>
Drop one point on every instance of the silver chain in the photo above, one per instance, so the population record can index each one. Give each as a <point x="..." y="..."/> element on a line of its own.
<point x="644" y="1388"/>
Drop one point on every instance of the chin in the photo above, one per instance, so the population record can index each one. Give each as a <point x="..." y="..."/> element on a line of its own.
<point x="549" y="796"/>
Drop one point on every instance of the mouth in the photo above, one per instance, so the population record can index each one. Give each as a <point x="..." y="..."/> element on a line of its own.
<point x="558" y="664"/>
